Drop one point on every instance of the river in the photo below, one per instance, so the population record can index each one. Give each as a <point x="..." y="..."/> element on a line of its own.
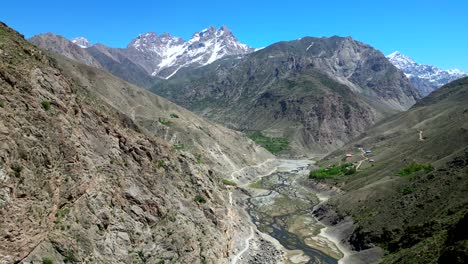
<point x="281" y="206"/>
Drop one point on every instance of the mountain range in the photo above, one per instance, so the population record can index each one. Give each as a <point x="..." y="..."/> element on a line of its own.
<point x="94" y="169"/>
<point x="162" y="56"/>
<point x="317" y="93"/>
<point x="150" y="55"/>
<point x="426" y="78"/>
<point x="285" y="90"/>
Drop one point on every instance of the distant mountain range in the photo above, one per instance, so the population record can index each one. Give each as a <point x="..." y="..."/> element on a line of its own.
<point x="426" y="78"/>
<point x="162" y="56"/>
<point x="317" y="93"/>
<point x="150" y="54"/>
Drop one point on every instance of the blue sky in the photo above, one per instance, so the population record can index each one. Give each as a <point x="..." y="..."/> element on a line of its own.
<point x="433" y="32"/>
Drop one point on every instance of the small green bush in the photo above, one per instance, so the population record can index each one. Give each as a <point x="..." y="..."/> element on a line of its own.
<point x="62" y="212"/>
<point x="16" y="169"/>
<point x="174" y="116"/>
<point x="2" y="104"/>
<point x="165" y="122"/>
<point x="45" y="105"/>
<point x="159" y="164"/>
<point x="415" y="167"/>
<point x="178" y="146"/>
<point x="47" y="260"/>
<point x="199" y="158"/>
<point x="229" y="182"/>
<point x="199" y="199"/>
<point x="407" y="190"/>
<point x="69" y="256"/>
<point x="350" y="171"/>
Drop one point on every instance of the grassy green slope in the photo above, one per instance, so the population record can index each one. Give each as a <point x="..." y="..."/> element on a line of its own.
<point x="412" y="214"/>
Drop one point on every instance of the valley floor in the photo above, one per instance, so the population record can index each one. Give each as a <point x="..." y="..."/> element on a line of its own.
<point x="284" y="229"/>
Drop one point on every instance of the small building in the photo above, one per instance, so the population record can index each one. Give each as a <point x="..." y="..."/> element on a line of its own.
<point x="371" y="160"/>
<point x="349" y="155"/>
<point x="368" y="151"/>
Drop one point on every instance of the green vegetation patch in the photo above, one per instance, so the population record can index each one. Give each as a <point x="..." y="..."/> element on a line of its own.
<point x="61" y="214"/>
<point x="333" y="171"/>
<point x="257" y="184"/>
<point x="229" y="182"/>
<point x="174" y="115"/>
<point x="16" y="169"/>
<point x="199" y="158"/>
<point x="272" y="144"/>
<point x="165" y="122"/>
<point x="178" y="146"/>
<point x="2" y="104"/>
<point x="46" y="105"/>
<point x="199" y="199"/>
<point x="47" y="260"/>
<point x="159" y="164"/>
<point x="415" y="167"/>
<point x="407" y="190"/>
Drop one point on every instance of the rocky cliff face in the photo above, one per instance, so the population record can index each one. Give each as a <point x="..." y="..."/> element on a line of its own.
<point x="67" y="48"/>
<point x="317" y="92"/>
<point x="426" y="78"/>
<point x="81" y="181"/>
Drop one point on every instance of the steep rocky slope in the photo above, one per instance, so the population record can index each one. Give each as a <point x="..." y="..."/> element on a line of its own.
<point x="67" y="48"/>
<point x="82" y="181"/>
<point x="113" y="60"/>
<point x="412" y="199"/>
<point x="224" y="150"/>
<point x="426" y="78"/>
<point x="316" y="92"/>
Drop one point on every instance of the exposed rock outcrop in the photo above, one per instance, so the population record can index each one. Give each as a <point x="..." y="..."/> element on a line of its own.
<point x="82" y="181"/>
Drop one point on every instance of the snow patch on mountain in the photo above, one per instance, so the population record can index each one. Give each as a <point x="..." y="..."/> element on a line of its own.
<point x="425" y="77"/>
<point x="203" y="48"/>
<point x="81" y="42"/>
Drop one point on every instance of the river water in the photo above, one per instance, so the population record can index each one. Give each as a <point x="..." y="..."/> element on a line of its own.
<point x="282" y="205"/>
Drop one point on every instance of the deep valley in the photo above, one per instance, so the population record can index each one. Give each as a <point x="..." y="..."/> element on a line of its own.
<point x="316" y="150"/>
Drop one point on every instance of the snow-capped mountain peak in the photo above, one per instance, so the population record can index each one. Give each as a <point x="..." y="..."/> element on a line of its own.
<point x="425" y="77"/>
<point x="400" y="60"/>
<point x="81" y="42"/>
<point x="151" y="42"/>
<point x="172" y="53"/>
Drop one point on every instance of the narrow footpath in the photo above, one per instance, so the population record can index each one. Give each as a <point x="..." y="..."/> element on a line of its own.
<point x="363" y="154"/>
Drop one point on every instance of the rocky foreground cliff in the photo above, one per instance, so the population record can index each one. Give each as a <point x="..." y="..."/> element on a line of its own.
<point x="81" y="181"/>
